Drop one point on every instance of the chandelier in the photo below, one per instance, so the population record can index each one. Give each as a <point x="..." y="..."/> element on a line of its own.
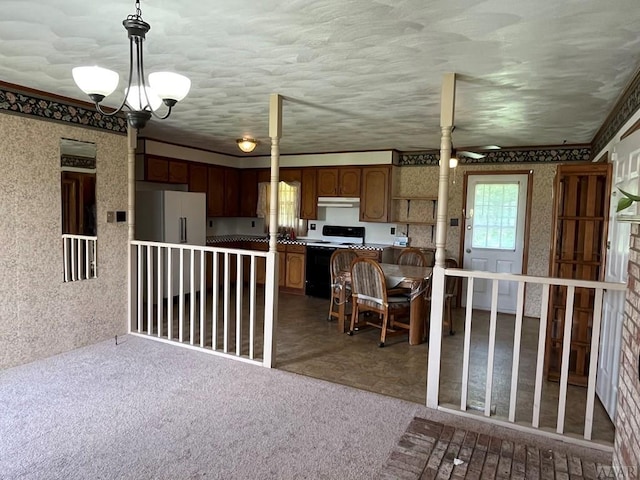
<point x="141" y="100"/>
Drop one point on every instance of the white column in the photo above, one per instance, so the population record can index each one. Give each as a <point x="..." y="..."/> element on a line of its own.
<point x="132" y="139"/>
<point x="438" y="277"/>
<point x="271" y="286"/>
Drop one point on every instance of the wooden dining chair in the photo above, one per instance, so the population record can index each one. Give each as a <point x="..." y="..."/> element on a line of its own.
<point x="413" y="256"/>
<point x="340" y="293"/>
<point x="369" y="293"/>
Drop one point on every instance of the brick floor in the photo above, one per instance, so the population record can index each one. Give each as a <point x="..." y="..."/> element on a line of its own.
<point x="427" y="451"/>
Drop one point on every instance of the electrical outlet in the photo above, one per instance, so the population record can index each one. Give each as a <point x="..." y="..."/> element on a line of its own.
<point x="453" y="222"/>
<point x="253" y="223"/>
<point x="393" y="230"/>
<point x="210" y="223"/>
<point x="312" y="226"/>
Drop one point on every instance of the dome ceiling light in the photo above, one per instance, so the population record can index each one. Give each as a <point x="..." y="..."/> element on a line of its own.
<point x="246" y="144"/>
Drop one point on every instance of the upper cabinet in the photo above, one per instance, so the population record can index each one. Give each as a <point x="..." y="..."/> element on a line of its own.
<point x="231" y="192"/>
<point x="215" y="192"/>
<point x="339" y="182"/>
<point x="165" y="170"/>
<point x="198" y="181"/>
<point x="308" y="194"/>
<point x="375" y="198"/>
<point x="248" y="192"/>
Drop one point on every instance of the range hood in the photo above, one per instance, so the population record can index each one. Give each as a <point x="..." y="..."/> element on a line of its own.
<point x="338" y="202"/>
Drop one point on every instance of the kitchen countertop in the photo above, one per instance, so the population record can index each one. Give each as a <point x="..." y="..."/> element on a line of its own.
<point x="212" y="240"/>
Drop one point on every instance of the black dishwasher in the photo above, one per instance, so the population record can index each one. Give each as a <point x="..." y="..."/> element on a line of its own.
<point x="318" y="274"/>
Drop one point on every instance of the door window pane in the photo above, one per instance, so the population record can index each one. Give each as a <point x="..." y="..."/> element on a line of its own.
<point x="495" y="216"/>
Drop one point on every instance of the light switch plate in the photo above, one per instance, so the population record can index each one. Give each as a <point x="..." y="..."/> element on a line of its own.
<point x="111" y="217"/>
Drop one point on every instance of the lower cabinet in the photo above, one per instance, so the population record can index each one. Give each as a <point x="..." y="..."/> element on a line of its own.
<point x="295" y="263"/>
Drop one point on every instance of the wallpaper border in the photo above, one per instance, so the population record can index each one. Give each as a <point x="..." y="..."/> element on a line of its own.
<point x="13" y="100"/>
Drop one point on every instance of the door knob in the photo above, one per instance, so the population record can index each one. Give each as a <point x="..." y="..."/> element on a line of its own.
<point x="468" y="250"/>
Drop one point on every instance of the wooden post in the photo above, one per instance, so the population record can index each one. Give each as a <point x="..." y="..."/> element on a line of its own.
<point x="438" y="276"/>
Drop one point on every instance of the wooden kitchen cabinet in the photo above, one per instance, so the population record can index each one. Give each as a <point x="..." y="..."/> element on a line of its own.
<point x="295" y="268"/>
<point x="248" y="192"/>
<point x="215" y="191"/>
<point x="290" y="175"/>
<point x="282" y="265"/>
<point x="339" y="182"/>
<point x="156" y="169"/>
<point x="231" y="192"/>
<point x="198" y="181"/>
<point x="178" y="171"/>
<point x="375" y="198"/>
<point x="308" y="194"/>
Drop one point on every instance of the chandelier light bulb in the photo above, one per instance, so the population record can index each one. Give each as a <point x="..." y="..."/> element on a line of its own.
<point x="169" y="85"/>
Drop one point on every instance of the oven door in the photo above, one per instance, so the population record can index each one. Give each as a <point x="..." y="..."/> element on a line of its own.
<point x="318" y="273"/>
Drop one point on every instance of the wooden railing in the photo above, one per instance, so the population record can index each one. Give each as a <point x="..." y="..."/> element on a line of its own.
<point x="79" y="253"/>
<point x="183" y="294"/>
<point x="435" y="344"/>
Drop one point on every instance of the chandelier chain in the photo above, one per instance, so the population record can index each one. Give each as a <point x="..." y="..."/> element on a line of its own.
<point x="138" y="14"/>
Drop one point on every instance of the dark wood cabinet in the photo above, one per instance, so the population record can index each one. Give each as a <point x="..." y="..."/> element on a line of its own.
<point x="290" y="175"/>
<point x="248" y="192"/>
<point x="156" y="169"/>
<point x="375" y="198"/>
<point x="308" y="195"/>
<point x="165" y="170"/>
<point x="231" y="192"/>
<point x="215" y="191"/>
<point x="178" y="171"/>
<point x="198" y="181"/>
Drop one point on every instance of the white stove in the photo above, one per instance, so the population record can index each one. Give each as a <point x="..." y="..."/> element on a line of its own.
<point x="334" y="236"/>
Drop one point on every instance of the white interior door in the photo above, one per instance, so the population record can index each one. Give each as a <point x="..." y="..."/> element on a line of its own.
<point x="494" y="237"/>
<point x="626" y="162"/>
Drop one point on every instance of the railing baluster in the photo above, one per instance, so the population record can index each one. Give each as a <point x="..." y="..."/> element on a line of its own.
<point x="566" y="351"/>
<point x="149" y="290"/>
<point x="65" y="258"/>
<point x="467" y="346"/>
<point x="239" y="288"/>
<point x="227" y="281"/>
<point x="203" y="297"/>
<point x="517" y="337"/>
<point x="87" y="270"/>
<point x="214" y="301"/>
<point x="192" y="296"/>
<point x="140" y="296"/>
<point x="160" y="303"/>
<point x="542" y="335"/>
<point x="492" y="347"/>
<point x="252" y="307"/>
<point x="181" y="297"/>
<point x="78" y="259"/>
<point x="73" y="260"/>
<point x="593" y="363"/>
<point x="169" y="275"/>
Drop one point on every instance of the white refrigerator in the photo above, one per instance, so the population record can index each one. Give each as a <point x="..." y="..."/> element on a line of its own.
<point x="174" y="217"/>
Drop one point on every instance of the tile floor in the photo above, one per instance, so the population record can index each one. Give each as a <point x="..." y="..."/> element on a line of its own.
<point x="309" y="345"/>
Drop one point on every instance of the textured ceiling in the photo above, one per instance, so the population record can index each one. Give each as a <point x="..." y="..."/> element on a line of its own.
<point x="356" y="74"/>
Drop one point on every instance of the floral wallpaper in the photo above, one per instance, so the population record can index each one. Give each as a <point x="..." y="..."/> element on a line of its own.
<point x="628" y="104"/>
<point x="30" y="104"/>
<point x="533" y="155"/>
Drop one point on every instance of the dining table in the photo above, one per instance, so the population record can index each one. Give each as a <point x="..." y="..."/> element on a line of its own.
<point x="396" y="276"/>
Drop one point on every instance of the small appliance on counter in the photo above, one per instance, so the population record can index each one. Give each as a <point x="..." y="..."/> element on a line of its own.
<point x="318" y="275"/>
<point x="401" y="241"/>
